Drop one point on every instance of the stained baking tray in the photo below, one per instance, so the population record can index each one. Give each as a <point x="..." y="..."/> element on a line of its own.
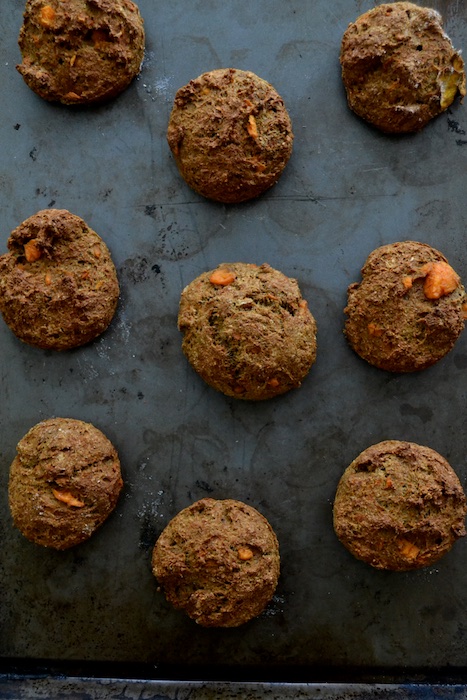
<point x="95" y="610"/>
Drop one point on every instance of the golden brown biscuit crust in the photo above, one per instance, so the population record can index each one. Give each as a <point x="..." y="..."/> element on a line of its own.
<point x="399" y="67"/>
<point x="399" y="506"/>
<point x="80" y="51"/>
<point x="64" y="482"/>
<point x="408" y="310"/>
<point x="247" y="330"/>
<point x="230" y="134"/>
<point x="218" y="560"/>
<point x="58" y="284"/>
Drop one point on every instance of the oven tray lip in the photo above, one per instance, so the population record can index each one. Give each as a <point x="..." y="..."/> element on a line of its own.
<point x="61" y="687"/>
<point x="26" y="678"/>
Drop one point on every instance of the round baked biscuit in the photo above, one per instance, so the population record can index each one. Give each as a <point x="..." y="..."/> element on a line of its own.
<point x="230" y="134"/>
<point x="58" y="284"/>
<point x="399" y="506"/>
<point x="247" y="330"/>
<point x="64" y="482"/>
<point x="80" y="51"/>
<point x="399" y="67"/>
<point x="408" y="310"/>
<point x="218" y="560"/>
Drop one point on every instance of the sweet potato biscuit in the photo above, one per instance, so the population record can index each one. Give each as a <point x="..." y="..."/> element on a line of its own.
<point x="58" y="284"/>
<point x="230" y="134"/>
<point x="399" y="506"/>
<point x="247" y="330"/>
<point x="408" y="310"/>
<point x="218" y="560"/>
<point x="80" y="51"/>
<point x="399" y="67"/>
<point x="64" y="482"/>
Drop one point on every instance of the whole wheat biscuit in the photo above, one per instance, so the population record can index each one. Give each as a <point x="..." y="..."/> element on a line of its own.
<point x="247" y="330"/>
<point x="399" y="506"/>
<point x="64" y="482"/>
<point x="408" y="310"/>
<point x="80" y="51"/>
<point x="230" y="134"/>
<point x="218" y="560"/>
<point x="58" y="284"/>
<point x="399" y="67"/>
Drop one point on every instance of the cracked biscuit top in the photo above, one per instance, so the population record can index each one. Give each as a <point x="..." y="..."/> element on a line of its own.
<point x="230" y="134"/>
<point x="218" y="560"/>
<point x="399" y="506"/>
<point x="399" y="67"/>
<point x="64" y="482"/>
<point x="58" y="284"/>
<point x="80" y="51"/>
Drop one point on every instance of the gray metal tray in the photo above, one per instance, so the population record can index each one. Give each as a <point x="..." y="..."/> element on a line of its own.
<point x="346" y="190"/>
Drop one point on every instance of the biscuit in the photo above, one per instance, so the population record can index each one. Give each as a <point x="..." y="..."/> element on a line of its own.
<point x="64" y="482"/>
<point x="80" y="51"/>
<point x="399" y="506"/>
<point x="218" y="560"/>
<point x="408" y="310"/>
<point x="230" y="134"/>
<point x="247" y="330"/>
<point x="58" y="284"/>
<point x="399" y="67"/>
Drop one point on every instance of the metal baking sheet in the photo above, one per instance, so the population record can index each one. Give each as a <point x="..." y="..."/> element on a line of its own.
<point x="346" y="190"/>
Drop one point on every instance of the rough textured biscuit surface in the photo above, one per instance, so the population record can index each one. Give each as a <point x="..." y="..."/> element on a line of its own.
<point x="64" y="482"/>
<point x="247" y="330"/>
<point x="230" y="134"/>
<point x="408" y="310"/>
<point x="218" y="560"/>
<point x="399" y="67"/>
<point x="58" y="284"/>
<point x="399" y="506"/>
<point x="80" y="51"/>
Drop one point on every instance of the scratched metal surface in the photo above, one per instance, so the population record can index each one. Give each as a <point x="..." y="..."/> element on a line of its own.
<point x="346" y="190"/>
